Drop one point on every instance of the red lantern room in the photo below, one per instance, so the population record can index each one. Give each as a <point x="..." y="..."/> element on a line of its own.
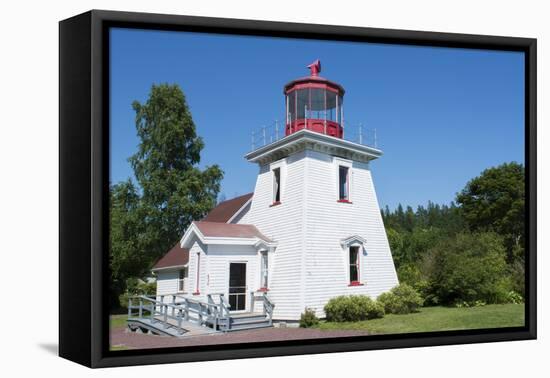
<point x="314" y="103"/>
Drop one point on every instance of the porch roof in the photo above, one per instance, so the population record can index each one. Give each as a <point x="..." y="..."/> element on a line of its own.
<point x="230" y="230"/>
<point x="225" y="233"/>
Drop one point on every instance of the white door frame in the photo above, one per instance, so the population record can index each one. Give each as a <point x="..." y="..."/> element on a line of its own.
<point x="246" y="304"/>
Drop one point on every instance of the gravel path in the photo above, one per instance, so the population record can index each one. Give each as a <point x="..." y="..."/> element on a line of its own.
<point x="119" y="337"/>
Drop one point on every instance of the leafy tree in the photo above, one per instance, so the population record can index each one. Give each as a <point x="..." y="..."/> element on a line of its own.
<point x="171" y="190"/>
<point x="174" y="190"/>
<point x="495" y="201"/>
<point x="492" y="202"/>
<point x="466" y="268"/>
<point x="127" y="257"/>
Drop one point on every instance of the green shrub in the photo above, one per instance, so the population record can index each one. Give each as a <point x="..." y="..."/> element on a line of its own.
<point x="308" y="319"/>
<point x="402" y="299"/>
<point x="514" y="297"/>
<point x="353" y="308"/>
<point x="461" y="304"/>
<point x="467" y="267"/>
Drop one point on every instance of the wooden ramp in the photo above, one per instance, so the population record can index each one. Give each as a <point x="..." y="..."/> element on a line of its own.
<point x="183" y="317"/>
<point x="171" y="328"/>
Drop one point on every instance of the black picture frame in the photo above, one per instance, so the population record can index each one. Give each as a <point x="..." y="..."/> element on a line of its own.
<point x="84" y="172"/>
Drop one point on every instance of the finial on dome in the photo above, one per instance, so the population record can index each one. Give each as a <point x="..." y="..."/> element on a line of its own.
<point x="315" y="68"/>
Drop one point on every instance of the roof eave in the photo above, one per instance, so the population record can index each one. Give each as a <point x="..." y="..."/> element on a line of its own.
<point x="154" y="269"/>
<point x="193" y="230"/>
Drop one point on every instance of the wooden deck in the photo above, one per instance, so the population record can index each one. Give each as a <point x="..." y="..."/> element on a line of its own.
<point x="185" y="317"/>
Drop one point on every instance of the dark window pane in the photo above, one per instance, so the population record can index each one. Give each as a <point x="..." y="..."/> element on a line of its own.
<point x="277" y="185"/>
<point x="353" y="276"/>
<point x="237" y="274"/>
<point x="233" y="301"/>
<point x="353" y="255"/>
<point x="343" y="183"/>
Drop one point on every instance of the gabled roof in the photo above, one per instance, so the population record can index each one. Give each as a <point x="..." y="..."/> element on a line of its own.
<point x="351" y="240"/>
<point x="176" y="257"/>
<point x="225" y="233"/>
<point x="222" y="213"/>
<point x="229" y="230"/>
<point x="226" y="210"/>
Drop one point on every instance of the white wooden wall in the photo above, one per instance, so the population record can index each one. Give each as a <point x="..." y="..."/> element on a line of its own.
<point x="196" y="250"/>
<point x="329" y="221"/>
<point x="219" y="258"/>
<point x="309" y="265"/>
<point x="284" y="224"/>
<point x="167" y="282"/>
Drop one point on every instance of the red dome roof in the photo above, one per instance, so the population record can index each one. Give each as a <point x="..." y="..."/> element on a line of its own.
<point x="314" y="81"/>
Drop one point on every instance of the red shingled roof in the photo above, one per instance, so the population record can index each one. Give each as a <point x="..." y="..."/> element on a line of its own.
<point x="225" y="210"/>
<point x="221" y="214"/>
<point x="177" y="256"/>
<point x="229" y="230"/>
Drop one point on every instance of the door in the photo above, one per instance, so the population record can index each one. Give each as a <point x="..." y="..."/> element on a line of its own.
<point x="237" y="286"/>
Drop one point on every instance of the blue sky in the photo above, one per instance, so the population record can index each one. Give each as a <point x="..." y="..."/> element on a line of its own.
<point x="442" y="115"/>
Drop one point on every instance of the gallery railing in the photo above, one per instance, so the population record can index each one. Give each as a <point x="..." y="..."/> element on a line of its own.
<point x="357" y="133"/>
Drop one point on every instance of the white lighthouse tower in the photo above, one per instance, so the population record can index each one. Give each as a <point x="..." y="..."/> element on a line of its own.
<point x="310" y="231"/>
<point x="315" y="198"/>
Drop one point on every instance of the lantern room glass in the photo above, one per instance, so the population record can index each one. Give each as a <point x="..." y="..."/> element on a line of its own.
<point x="314" y="103"/>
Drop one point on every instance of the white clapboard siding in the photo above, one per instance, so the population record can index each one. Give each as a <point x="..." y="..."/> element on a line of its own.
<point x="329" y="221"/>
<point x="196" y="250"/>
<point x="284" y="224"/>
<point x="219" y="258"/>
<point x="167" y="281"/>
<point x="309" y="265"/>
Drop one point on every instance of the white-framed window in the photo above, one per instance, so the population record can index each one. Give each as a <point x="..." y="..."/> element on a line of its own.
<point x="354" y="266"/>
<point x="183" y="274"/>
<point x="344" y="179"/>
<point x="264" y="270"/>
<point x="343" y="183"/>
<point x="276" y="173"/>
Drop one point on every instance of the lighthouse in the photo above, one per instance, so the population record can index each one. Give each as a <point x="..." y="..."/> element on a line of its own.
<point x="315" y="197"/>
<point x="310" y="231"/>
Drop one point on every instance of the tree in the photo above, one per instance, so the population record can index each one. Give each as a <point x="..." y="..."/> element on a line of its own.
<point x="466" y="268"/>
<point x="127" y="257"/>
<point x="171" y="191"/>
<point x="495" y="201"/>
<point x="174" y="190"/>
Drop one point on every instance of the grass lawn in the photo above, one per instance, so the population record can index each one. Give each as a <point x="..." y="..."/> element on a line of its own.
<point x="440" y="319"/>
<point x="118" y="320"/>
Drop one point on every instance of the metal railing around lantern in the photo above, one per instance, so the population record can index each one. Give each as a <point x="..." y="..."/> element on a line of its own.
<point x="356" y="133"/>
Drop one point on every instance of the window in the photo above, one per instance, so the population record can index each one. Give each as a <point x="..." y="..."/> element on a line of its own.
<point x="264" y="269"/>
<point x="343" y="183"/>
<point x="181" y="281"/>
<point x="354" y="265"/>
<point x="277" y="185"/>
